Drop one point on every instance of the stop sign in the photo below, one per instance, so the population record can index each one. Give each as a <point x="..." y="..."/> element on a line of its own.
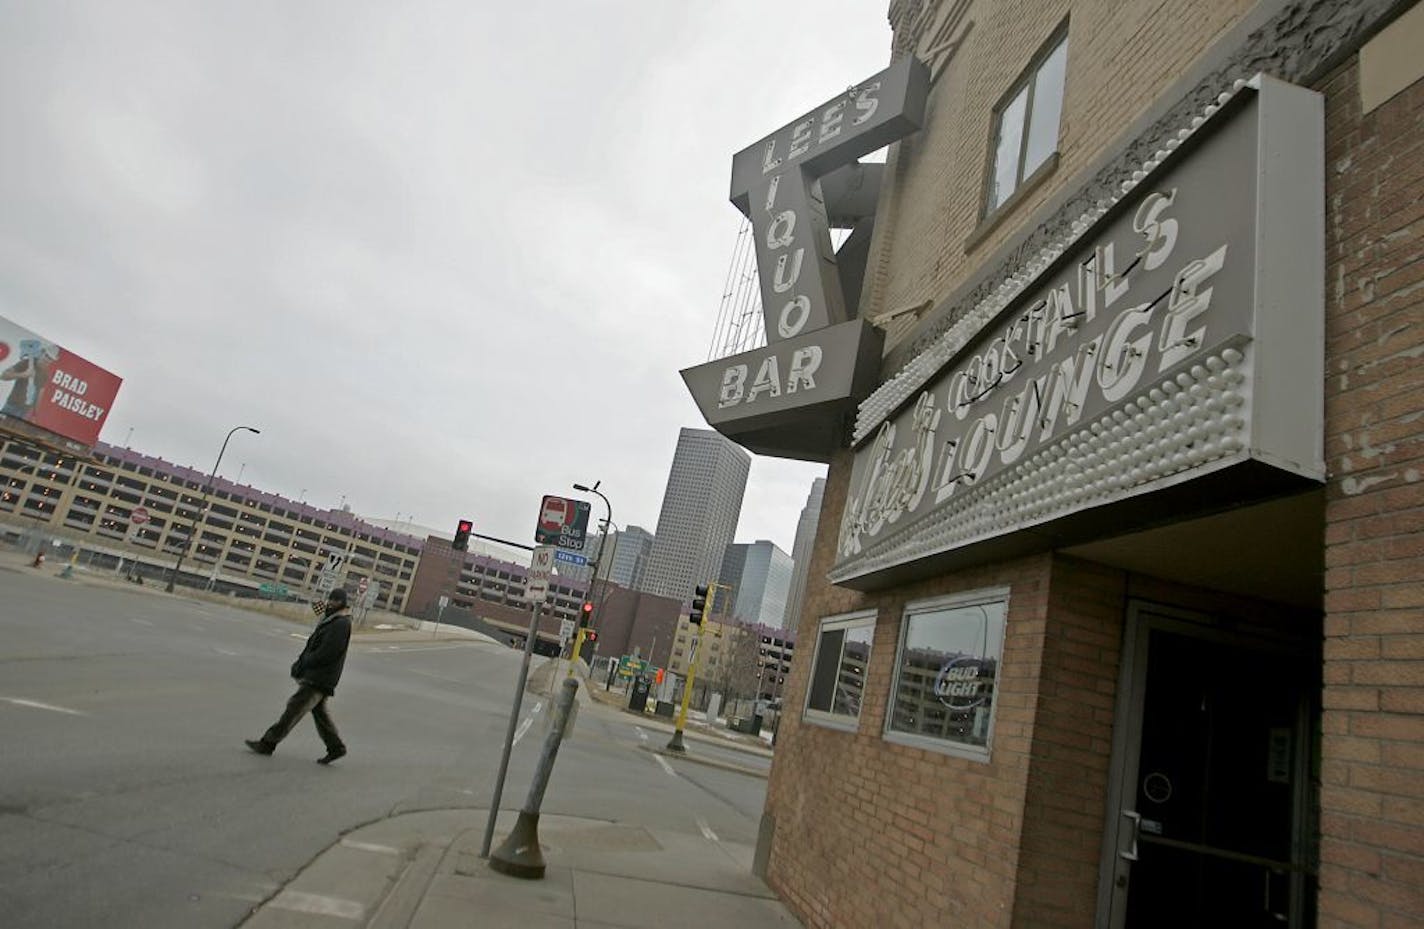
<point x="139" y="516"/>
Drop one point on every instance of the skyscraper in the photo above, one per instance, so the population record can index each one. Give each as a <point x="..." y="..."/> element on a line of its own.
<point x="698" y="520"/>
<point x="801" y="553"/>
<point x="759" y="575"/>
<point x="625" y="554"/>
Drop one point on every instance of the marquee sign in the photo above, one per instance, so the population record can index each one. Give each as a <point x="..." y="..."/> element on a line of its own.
<point x="778" y="183"/>
<point x="1179" y="337"/>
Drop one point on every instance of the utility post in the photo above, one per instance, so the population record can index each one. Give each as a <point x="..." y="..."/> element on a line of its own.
<point x="703" y="598"/>
<point x="202" y="506"/>
<point x="584" y="633"/>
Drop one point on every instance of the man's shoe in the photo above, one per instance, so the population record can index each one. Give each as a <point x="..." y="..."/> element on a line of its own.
<point x="259" y="746"/>
<point x="331" y="755"/>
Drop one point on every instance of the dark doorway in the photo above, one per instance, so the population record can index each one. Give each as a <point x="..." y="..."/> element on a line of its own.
<point x="1213" y="780"/>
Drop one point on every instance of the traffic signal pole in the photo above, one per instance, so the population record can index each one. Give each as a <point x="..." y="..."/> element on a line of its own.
<point x="574" y="655"/>
<point x="675" y="743"/>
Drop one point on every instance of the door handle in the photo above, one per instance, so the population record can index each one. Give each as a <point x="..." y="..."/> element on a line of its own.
<point x="1135" y="819"/>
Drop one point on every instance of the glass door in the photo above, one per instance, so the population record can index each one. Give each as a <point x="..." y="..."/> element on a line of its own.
<point x="1212" y="782"/>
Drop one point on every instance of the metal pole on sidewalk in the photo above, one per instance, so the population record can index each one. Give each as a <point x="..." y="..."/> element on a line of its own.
<point x="519" y="854"/>
<point x="509" y="734"/>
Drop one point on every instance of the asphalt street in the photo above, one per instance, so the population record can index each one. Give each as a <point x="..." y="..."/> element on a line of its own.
<point x="128" y="799"/>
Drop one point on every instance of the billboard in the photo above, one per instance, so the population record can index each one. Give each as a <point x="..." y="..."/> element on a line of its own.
<point x="50" y="394"/>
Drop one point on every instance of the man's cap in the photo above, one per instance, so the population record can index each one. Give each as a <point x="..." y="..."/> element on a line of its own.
<point x="337" y="597"/>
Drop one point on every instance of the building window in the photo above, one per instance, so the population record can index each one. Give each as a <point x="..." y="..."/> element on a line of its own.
<point x="838" y="669"/>
<point x="1026" y="123"/>
<point x="948" y="662"/>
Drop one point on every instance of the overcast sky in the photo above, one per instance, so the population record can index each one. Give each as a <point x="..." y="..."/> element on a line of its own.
<point x="448" y="256"/>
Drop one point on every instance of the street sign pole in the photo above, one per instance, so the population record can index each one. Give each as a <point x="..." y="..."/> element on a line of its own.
<point x="509" y="733"/>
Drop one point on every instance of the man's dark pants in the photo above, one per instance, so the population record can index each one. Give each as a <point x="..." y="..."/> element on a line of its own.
<point x="307" y="699"/>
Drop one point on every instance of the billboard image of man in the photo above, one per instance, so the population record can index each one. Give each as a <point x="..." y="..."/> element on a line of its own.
<point x="27" y="375"/>
<point x="56" y="397"/>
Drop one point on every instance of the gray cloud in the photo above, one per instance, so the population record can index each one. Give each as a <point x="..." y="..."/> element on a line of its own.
<point x="447" y="256"/>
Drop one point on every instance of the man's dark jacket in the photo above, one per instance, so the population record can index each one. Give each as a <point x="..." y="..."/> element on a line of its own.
<point x="319" y="665"/>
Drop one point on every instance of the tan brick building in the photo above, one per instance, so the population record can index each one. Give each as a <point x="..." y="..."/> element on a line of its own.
<point x="1115" y="614"/>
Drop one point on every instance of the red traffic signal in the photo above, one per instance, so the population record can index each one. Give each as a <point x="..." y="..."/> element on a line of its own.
<point x="462" y="535"/>
<point x="590" y="635"/>
<point x="585" y="612"/>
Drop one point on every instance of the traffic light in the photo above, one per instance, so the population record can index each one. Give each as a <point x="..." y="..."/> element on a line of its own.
<point x="585" y="612"/>
<point x="699" y="603"/>
<point x="462" y="535"/>
<point x="590" y="636"/>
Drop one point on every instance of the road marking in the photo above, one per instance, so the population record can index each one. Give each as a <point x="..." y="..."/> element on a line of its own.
<point x="641" y="734"/>
<point x="35" y="704"/>
<point x="405" y="650"/>
<point x="529" y="721"/>
<point x="295" y="635"/>
<point x="318" y="904"/>
<point x="223" y="651"/>
<point x="706" y="830"/>
<point x="666" y="767"/>
<point x="141" y="622"/>
<point x="369" y="847"/>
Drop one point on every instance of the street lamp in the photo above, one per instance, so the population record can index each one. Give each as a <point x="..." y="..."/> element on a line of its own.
<point x="203" y="505"/>
<point x="597" y="556"/>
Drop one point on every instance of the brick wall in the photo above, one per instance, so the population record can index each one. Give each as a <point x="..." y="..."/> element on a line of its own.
<point x="1068" y="777"/>
<point x="940" y="840"/>
<point x="1122" y="55"/>
<point x="1372" y="798"/>
<point x="935" y="837"/>
<point x="873" y="833"/>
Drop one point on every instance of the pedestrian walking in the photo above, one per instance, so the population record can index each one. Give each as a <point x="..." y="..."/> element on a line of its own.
<point x="316" y="671"/>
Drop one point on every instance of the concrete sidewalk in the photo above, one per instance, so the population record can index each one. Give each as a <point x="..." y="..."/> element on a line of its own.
<point x="423" y="871"/>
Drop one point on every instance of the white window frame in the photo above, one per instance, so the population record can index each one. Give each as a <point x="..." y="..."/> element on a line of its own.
<point x="981" y="597"/>
<point x="1026" y="82"/>
<point x="844" y="621"/>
